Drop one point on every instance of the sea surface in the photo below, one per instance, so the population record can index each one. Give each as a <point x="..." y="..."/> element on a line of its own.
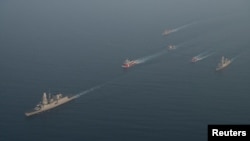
<point x="76" y="47"/>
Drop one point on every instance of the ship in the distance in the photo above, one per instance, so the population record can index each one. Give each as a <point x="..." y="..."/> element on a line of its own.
<point x="127" y="63"/>
<point x="224" y="63"/>
<point x="171" y="47"/>
<point x="167" y="32"/>
<point x="195" y="59"/>
<point x="49" y="103"/>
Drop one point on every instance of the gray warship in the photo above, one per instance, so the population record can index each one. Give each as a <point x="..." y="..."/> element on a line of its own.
<point x="50" y="103"/>
<point x="224" y="63"/>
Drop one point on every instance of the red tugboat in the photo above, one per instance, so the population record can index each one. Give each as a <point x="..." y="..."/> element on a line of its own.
<point x="127" y="63"/>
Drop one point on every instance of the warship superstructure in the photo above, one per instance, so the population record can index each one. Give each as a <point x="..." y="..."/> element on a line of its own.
<point x="224" y="63"/>
<point x="49" y="102"/>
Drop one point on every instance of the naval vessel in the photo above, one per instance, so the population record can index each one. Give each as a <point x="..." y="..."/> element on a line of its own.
<point x="167" y="32"/>
<point x="171" y="47"/>
<point x="195" y="59"/>
<point x="49" y="102"/>
<point x="224" y="63"/>
<point x="127" y="63"/>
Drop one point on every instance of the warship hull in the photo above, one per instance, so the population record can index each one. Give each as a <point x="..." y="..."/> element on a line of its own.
<point x="52" y="104"/>
<point x="222" y="67"/>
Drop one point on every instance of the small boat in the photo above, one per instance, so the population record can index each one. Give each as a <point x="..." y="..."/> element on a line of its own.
<point x="195" y="59"/>
<point x="171" y="47"/>
<point x="127" y="63"/>
<point x="166" y="32"/>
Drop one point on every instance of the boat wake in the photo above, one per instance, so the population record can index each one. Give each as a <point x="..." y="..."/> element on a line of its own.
<point x="150" y="57"/>
<point x="207" y="55"/>
<point x="87" y="91"/>
<point x="169" y="31"/>
<point x="236" y="57"/>
<point x="182" y="27"/>
<point x="203" y="55"/>
<point x="98" y="86"/>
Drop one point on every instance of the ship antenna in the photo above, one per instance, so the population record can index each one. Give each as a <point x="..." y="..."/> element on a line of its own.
<point x="49" y="94"/>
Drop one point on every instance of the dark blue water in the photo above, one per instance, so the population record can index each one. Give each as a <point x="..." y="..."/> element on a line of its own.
<point x="71" y="47"/>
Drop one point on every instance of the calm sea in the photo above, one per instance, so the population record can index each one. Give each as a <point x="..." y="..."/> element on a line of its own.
<point x="73" y="46"/>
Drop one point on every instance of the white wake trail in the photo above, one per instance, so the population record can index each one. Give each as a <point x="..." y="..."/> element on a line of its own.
<point x="167" y="32"/>
<point x="150" y="57"/>
<point x="97" y="87"/>
<point x="182" y="27"/>
<point x="202" y="54"/>
<point x="205" y="56"/>
<point x="234" y="58"/>
<point x="87" y="91"/>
